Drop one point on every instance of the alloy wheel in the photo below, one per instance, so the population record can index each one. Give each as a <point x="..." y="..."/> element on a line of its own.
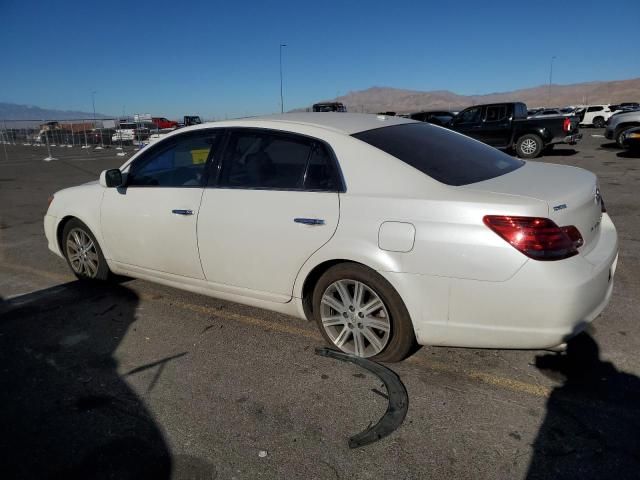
<point x="528" y="146"/>
<point x="82" y="253"/>
<point x="355" y="318"/>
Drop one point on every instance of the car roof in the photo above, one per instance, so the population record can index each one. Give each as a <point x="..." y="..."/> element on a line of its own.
<point x="346" y="123"/>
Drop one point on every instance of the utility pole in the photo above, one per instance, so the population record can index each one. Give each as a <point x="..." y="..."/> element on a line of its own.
<point x="281" y="96"/>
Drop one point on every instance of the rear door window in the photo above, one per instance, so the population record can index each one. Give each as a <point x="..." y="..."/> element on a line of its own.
<point x="445" y="156"/>
<point x="470" y="115"/>
<point x="274" y="160"/>
<point x="495" y="113"/>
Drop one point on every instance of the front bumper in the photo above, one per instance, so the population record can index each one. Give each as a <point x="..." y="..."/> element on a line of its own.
<point x="608" y="133"/>
<point x="543" y="305"/>
<point x="50" y="225"/>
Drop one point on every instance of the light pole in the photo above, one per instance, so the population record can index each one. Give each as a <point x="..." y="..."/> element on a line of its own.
<point x="550" y="80"/>
<point x="281" y="97"/>
<point x="93" y="103"/>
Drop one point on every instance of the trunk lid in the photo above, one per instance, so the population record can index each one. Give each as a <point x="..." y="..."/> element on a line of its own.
<point x="572" y="194"/>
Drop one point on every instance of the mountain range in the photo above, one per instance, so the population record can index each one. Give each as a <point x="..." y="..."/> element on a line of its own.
<point x="12" y="111"/>
<point x="383" y="99"/>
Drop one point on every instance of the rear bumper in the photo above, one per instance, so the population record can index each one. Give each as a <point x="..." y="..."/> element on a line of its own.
<point x="543" y="305"/>
<point x="571" y="139"/>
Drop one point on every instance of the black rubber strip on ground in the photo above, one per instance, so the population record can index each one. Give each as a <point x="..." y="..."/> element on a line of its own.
<point x="397" y="393"/>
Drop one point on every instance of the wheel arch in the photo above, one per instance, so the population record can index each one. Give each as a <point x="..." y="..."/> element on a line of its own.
<point x="60" y="230"/>
<point x="66" y="219"/>
<point x="312" y="278"/>
<point x="541" y="132"/>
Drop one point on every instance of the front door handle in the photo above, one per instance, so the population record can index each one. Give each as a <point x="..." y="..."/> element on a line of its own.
<point x="309" y="221"/>
<point x="182" y="212"/>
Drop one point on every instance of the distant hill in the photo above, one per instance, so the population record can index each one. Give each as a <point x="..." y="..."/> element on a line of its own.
<point x="12" y="111"/>
<point x="383" y="99"/>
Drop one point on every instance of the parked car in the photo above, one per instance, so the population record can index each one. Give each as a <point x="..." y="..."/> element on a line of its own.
<point x="163" y="124"/>
<point x="437" y="117"/>
<point x="125" y="133"/>
<point x="189" y="120"/>
<point x="546" y="112"/>
<point x="631" y="139"/>
<point x="329" y="107"/>
<point x="506" y="126"/>
<point x="384" y="230"/>
<point x="619" y="123"/>
<point x="131" y="132"/>
<point x="594" y="115"/>
<point x="624" y="107"/>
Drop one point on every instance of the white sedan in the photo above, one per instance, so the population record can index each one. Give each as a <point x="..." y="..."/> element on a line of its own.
<point x="387" y="232"/>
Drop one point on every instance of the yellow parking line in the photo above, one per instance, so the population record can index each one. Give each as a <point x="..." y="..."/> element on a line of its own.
<point x="483" y="377"/>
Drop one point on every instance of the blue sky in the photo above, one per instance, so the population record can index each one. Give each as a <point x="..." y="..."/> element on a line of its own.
<point x="221" y="58"/>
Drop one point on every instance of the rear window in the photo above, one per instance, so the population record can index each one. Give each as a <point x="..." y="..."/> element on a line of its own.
<point x="445" y="156"/>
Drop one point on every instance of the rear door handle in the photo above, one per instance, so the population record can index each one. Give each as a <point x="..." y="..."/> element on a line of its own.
<point x="309" y="221"/>
<point x="182" y="212"/>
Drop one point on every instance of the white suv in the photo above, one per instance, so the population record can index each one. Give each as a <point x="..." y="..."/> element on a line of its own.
<point x="595" y="115"/>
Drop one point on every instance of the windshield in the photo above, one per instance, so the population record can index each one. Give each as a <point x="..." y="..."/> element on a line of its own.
<point x="445" y="156"/>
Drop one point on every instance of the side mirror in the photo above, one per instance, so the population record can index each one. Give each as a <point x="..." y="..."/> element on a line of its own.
<point x="111" y="178"/>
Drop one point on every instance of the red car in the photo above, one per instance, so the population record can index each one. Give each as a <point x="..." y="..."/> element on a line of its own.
<point x="162" y="123"/>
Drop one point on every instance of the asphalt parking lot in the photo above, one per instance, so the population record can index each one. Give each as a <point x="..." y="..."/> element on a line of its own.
<point x="136" y="380"/>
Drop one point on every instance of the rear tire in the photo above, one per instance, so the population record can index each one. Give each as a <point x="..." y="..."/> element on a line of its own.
<point x="83" y="253"/>
<point x="598" y="122"/>
<point x="358" y="311"/>
<point x="529" y="146"/>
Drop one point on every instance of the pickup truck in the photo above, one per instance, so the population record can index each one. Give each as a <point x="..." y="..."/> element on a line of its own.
<point x="163" y="124"/>
<point x="506" y="126"/>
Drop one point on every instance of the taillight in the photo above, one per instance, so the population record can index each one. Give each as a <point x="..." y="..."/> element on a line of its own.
<point x="537" y="238"/>
<point x="49" y="200"/>
<point x="574" y="235"/>
<point x="566" y="126"/>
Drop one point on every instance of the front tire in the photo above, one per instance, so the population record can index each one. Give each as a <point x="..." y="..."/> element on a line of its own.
<point x="358" y="311"/>
<point x="83" y="253"/>
<point x="529" y="146"/>
<point x="598" y="122"/>
<point x="619" y="133"/>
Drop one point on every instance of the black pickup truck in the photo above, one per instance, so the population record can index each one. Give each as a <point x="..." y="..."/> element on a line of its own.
<point x="506" y="126"/>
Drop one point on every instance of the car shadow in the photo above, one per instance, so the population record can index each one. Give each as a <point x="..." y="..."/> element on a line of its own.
<point x="632" y="153"/>
<point x="592" y="421"/>
<point x="559" y="152"/>
<point x="67" y="412"/>
<point x="610" y="146"/>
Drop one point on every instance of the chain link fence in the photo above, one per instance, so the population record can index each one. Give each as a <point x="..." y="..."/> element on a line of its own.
<point x="122" y="135"/>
